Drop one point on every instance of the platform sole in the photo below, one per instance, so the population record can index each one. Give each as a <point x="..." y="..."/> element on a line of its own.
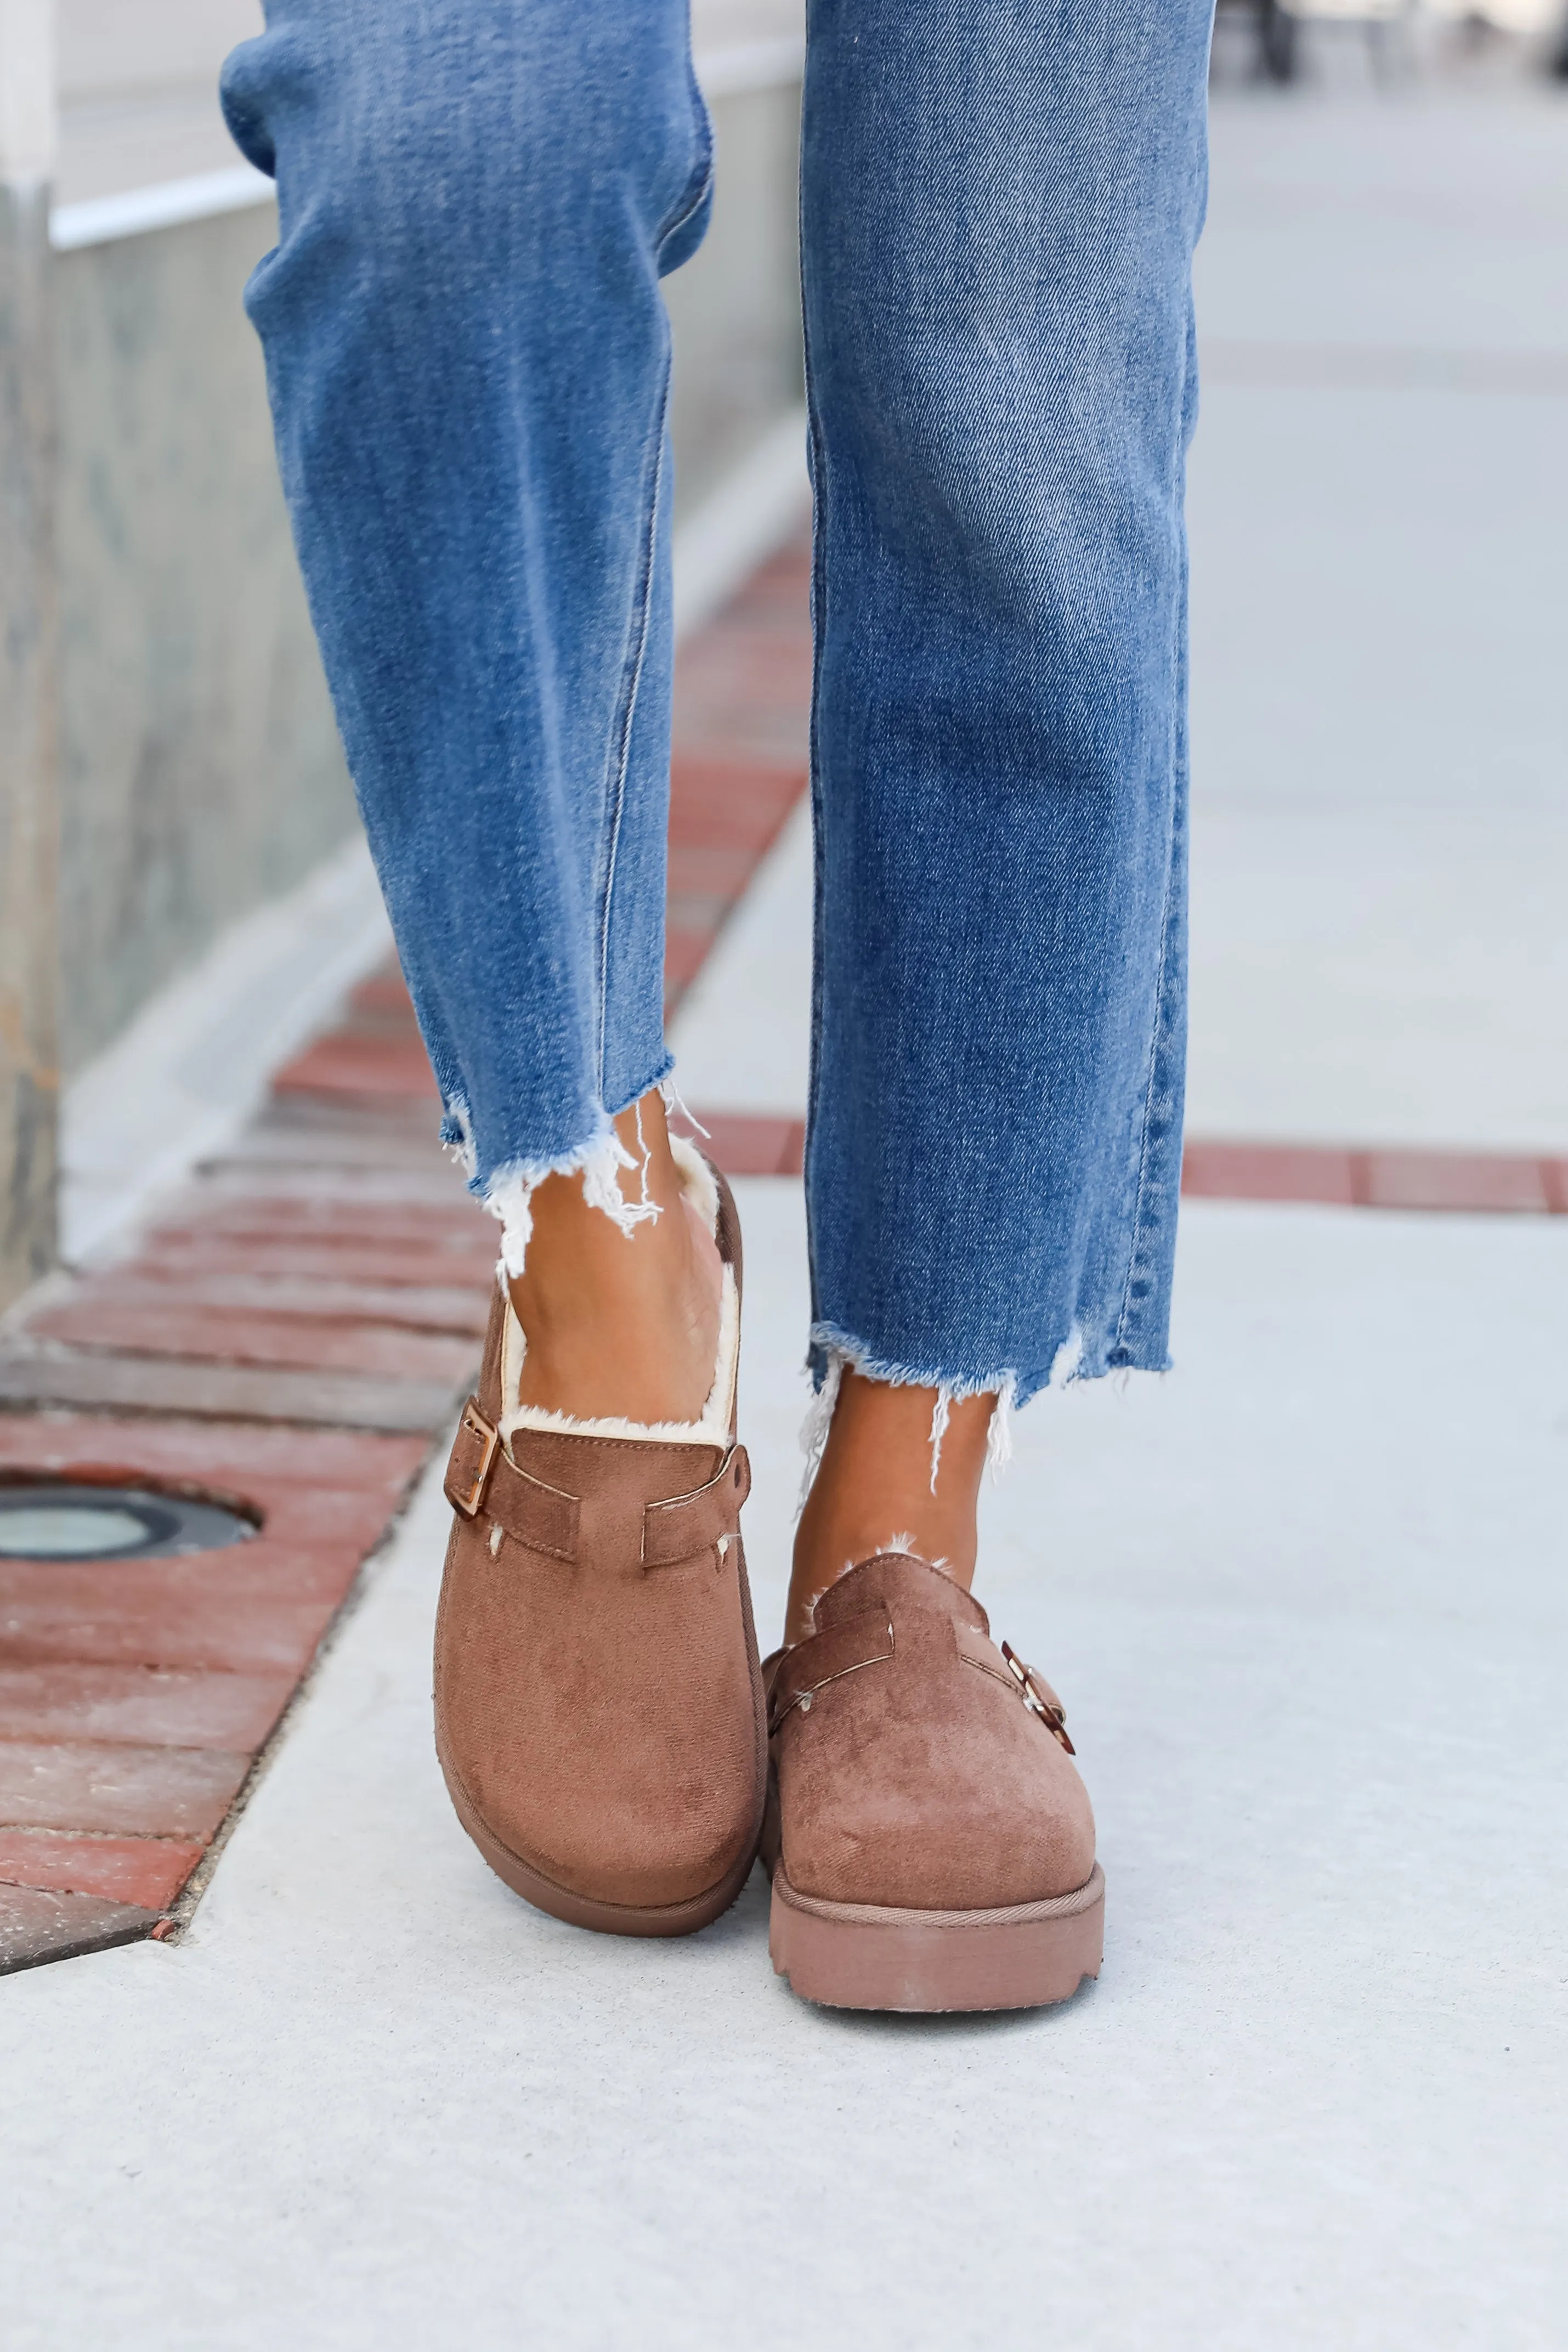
<point x="863" y="1956"/>
<point x="586" y="1910"/>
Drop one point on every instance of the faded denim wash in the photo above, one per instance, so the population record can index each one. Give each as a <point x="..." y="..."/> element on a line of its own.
<point x="468" y="360"/>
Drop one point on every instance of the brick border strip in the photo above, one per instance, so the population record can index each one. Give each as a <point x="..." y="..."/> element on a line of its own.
<point x="135" y="1697"/>
<point x="1474" y="1184"/>
<point x="1460" y="1183"/>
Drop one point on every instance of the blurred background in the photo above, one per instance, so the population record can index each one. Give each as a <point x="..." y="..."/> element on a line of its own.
<point x="1380" y="565"/>
<point x="1379" y="520"/>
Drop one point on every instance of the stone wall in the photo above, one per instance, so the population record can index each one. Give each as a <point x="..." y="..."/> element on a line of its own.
<point x="29" y="1064"/>
<point x="200" y="770"/>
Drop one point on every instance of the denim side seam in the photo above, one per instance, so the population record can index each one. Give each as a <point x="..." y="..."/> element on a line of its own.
<point x="817" y="470"/>
<point x="1138" y="1232"/>
<point x="508" y="1191"/>
<point x="1138" y="1236"/>
<point x="632" y="677"/>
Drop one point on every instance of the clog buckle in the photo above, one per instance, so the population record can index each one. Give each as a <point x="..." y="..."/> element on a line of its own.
<point x="1051" y="1713"/>
<point x="471" y="1502"/>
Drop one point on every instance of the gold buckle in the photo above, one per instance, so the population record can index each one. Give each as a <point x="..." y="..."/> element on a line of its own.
<point x="1053" y="1716"/>
<point x="477" y="1426"/>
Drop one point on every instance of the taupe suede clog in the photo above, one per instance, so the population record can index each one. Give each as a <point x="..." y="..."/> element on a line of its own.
<point x="931" y="1845"/>
<point x="599" y="1708"/>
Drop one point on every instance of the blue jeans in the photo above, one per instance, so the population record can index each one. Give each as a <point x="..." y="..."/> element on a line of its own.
<point x="468" y="360"/>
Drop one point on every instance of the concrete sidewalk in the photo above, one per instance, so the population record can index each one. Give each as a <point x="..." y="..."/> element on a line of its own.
<point x="1305" y="1602"/>
<point x="1379" y="507"/>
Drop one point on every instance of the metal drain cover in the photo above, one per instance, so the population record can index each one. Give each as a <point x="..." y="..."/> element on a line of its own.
<point x="50" y="1522"/>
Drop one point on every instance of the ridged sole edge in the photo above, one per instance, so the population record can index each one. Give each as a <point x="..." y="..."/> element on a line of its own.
<point x="863" y="1956"/>
<point x="585" y="1910"/>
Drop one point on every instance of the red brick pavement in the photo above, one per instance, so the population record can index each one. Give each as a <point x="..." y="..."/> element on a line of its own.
<point x="135" y="1696"/>
<point x="142" y="1872"/>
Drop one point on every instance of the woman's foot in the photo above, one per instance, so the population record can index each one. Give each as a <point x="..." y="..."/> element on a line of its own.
<point x="599" y="1710"/>
<point x="931" y="1845"/>
<point x="874" y="1490"/>
<point x="621" y="1324"/>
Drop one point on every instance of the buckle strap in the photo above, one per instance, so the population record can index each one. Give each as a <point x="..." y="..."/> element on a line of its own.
<point x="482" y="1477"/>
<point x="472" y="1459"/>
<point x="705" y="1520"/>
<point x="825" y="1658"/>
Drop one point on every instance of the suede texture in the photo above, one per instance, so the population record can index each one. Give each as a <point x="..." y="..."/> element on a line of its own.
<point x="604" y="1712"/>
<point x="920" y="1780"/>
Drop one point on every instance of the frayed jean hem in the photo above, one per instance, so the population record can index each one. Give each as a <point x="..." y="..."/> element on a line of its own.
<point x="831" y="1349"/>
<point x="508" y="1188"/>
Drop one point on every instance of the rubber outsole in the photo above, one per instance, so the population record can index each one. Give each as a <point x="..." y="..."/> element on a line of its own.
<point x="585" y="1910"/>
<point x="864" y="1955"/>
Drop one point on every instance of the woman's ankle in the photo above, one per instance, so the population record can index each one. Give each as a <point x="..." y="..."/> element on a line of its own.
<point x="621" y="1324"/>
<point x="883" y="1483"/>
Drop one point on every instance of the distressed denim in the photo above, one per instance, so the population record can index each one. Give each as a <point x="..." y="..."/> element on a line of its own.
<point x="468" y="362"/>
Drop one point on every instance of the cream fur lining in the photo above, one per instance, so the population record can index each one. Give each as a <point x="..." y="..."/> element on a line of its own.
<point x="697" y="1180"/>
<point x="718" y="1414"/>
